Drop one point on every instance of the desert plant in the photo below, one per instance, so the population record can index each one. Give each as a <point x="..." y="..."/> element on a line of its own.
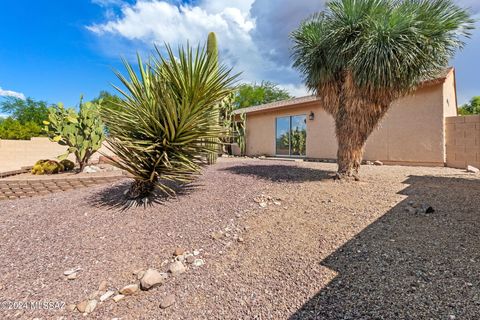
<point x="82" y="132"/>
<point x="67" y="165"/>
<point x="47" y="167"/>
<point x="159" y="131"/>
<point x="212" y="52"/>
<point x="359" y="56"/>
<point x="240" y="133"/>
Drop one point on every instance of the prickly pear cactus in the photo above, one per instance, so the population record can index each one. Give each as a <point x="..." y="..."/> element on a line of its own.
<point x="82" y="132"/>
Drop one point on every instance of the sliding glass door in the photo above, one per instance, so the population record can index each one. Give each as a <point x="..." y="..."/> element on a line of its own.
<point x="291" y="136"/>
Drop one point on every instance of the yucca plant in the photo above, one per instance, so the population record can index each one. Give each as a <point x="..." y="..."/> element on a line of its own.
<point x="158" y="130"/>
<point x="359" y="56"/>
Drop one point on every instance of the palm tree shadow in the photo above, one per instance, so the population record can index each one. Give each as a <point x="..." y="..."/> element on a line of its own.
<point x="409" y="265"/>
<point x="281" y="173"/>
<point x="113" y="198"/>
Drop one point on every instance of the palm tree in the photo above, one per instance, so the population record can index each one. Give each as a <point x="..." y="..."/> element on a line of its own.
<point x="358" y="56"/>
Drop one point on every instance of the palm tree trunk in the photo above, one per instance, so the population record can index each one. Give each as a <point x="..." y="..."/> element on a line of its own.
<point x="353" y="129"/>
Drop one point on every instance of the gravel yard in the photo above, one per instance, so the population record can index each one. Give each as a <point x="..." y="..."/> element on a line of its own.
<point x="279" y="240"/>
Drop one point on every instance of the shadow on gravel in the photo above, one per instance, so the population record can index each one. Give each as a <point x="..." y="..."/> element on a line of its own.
<point x="281" y="173"/>
<point x="113" y="198"/>
<point x="409" y="265"/>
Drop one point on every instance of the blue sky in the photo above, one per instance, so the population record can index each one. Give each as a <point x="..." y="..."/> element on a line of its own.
<point x="56" y="50"/>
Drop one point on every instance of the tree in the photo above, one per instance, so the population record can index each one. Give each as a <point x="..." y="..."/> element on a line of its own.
<point x="360" y="56"/>
<point x="107" y="100"/>
<point x="24" y="111"/>
<point x="256" y="94"/>
<point x="15" y="130"/>
<point x="473" y="107"/>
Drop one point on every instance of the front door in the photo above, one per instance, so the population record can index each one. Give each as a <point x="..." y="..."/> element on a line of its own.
<point x="291" y="136"/>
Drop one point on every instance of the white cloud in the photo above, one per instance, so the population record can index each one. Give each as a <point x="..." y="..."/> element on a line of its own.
<point x="9" y="93"/>
<point x="253" y="34"/>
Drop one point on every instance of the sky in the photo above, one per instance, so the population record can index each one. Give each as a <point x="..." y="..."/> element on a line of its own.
<point x="57" y="50"/>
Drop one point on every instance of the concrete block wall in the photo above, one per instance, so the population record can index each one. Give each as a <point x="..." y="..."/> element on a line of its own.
<point x="15" y="154"/>
<point x="463" y="141"/>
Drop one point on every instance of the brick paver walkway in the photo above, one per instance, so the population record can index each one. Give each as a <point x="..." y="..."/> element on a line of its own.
<point x="15" y="189"/>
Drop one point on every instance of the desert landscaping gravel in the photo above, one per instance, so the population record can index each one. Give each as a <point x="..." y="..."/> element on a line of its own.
<point x="272" y="240"/>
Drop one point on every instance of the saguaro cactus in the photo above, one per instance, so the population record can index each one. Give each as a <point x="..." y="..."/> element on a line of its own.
<point x="213" y="144"/>
<point x="82" y="132"/>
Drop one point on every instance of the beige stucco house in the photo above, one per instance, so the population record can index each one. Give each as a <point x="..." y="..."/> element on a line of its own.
<point x="413" y="132"/>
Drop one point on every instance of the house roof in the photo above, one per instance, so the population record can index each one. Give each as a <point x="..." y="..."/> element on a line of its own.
<point x="312" y="98"/>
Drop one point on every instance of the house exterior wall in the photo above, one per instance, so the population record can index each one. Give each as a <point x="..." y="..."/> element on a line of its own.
<point x="463" y="141"/>
<point x="412" y="132"/>
<point x="15" y="154"/>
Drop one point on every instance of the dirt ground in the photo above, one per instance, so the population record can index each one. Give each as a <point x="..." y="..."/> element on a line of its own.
<point x="295" y="245"/>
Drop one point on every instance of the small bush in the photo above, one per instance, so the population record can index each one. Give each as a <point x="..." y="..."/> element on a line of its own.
<point x="47" y="167"/>
<point x="67" y="165"/>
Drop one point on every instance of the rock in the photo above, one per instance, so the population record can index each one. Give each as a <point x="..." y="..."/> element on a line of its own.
<point x="72" y="276"/>
<point x="196" y="252"/>
<point x="190" y="259"/>
<point x="118" y="297"/>
<point x="106" y="295"/>
<point x="277" y="203"/>
<point x="429" y="210"/>
<point x="91" y="305"/>
<point x="91" y="169"/>
<point x="177" y="268"/>
<point x="71" y="271"/>
<point x="94" y="295"/>
<point x="71" y="307"/>
<point x="130" y="289"/>
<point x="368" y="163"/>
<point x="103" y="286"/>
<point x="198" y="262"/>
<point x="263" y="204"/>
<point x="217" y="235"/>
<point x="378" y="163"/>
<point x="240" y="239"/>
<point x="472" y="169"/>
<point x="167" y="301"/>
<point x="82" y="305"/>
<point x="179" y="252"/>
<point x="140" y="275"/>
<point x="152" y="278"/>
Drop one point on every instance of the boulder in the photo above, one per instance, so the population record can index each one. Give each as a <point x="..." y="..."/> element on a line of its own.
<point x="152" y="278"/>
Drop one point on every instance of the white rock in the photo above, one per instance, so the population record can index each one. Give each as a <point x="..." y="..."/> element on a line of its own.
<point x="378" y="163"/>
<point x="151" y="279"/>
<point x="167" y="301"/>
<point x="72" y="276"/>
<point x="71" y="271"/>
<point x="177" y="268"/>
<point x="198" y="262"/>
<point x="118" y="297"/>
<point x="91" y="305"/>
<point x="91" y="169"/>
<point x="106" y="295"/>
<point x="130" y="289"/>
<point x="472" y="169"/>
<point x="196" y="252"/>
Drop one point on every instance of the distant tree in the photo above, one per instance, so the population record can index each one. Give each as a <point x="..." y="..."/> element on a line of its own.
<point x="12" y="129"/>
<point x="473" y="107"/>
<point x="25" y="120"/>
<point x="256" y="94"/>
<point x="28" y="110"/>
<point x="108" y="100"/>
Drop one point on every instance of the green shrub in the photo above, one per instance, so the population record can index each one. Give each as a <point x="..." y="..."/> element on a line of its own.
<point x="12" y="129"/>
<point x="67" y="165"/>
